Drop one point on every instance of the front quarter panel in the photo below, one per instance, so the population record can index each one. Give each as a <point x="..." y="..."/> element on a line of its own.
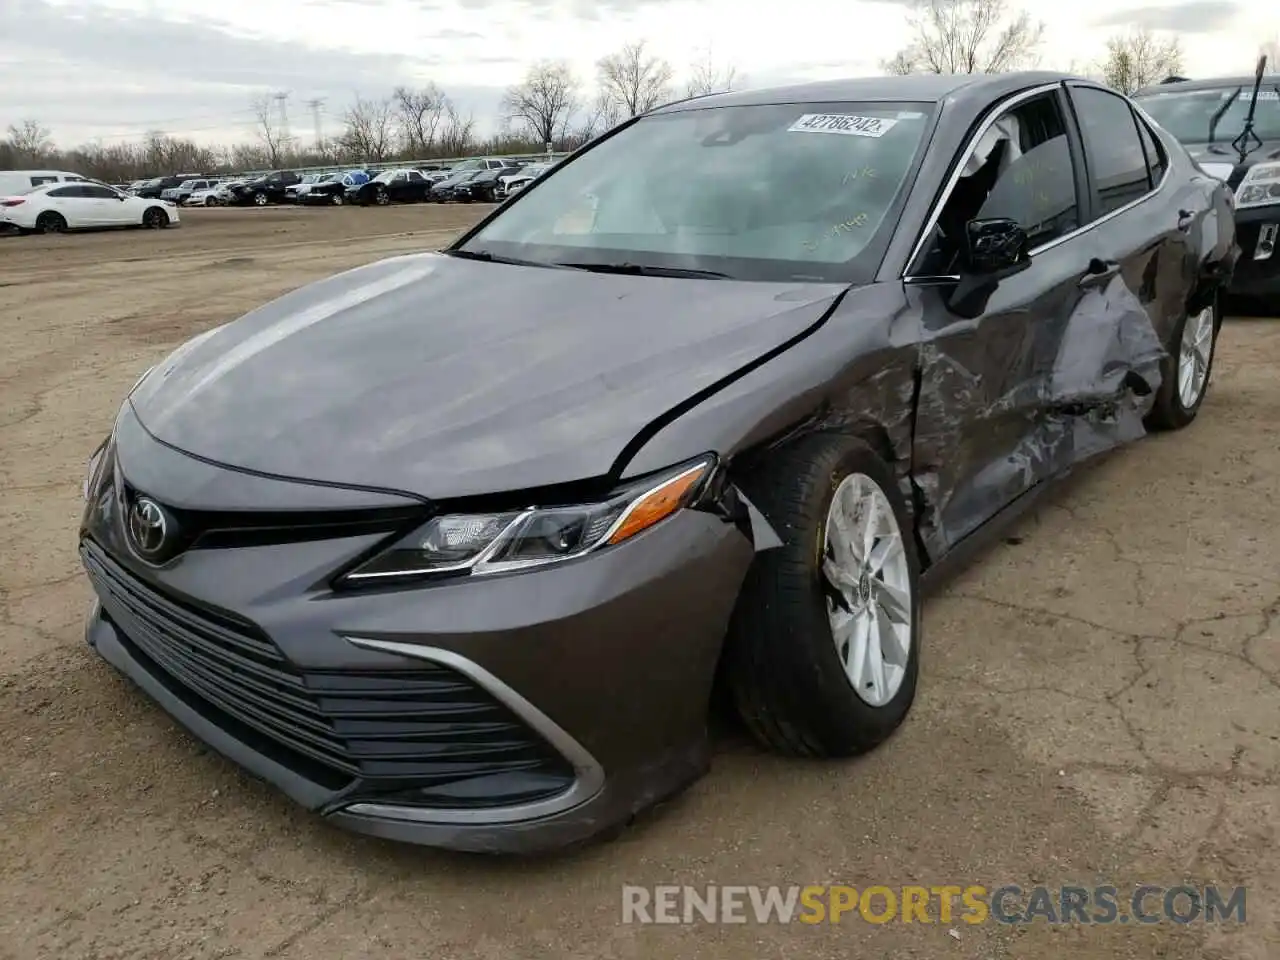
<point x="854" y="374"/>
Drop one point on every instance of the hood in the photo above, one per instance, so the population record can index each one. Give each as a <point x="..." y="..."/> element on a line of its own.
<point x="446" y="378"/>
<point x="1223" y="161"/>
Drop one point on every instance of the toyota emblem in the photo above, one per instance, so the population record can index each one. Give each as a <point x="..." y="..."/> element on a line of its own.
<point x="148" y="528"/>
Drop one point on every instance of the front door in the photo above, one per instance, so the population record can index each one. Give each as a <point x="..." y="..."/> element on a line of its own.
<point x="981" y="436"/>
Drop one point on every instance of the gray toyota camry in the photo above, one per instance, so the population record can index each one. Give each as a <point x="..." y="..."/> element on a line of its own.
<point x="453" y="548"/>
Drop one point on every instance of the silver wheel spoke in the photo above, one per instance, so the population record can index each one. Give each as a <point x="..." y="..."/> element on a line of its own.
<point x="894" y="602"/>
<point x="838" y="576"/>
<point x="895" y="641"/>
<point x="886" y="549"/>
<point x="855" y="649"/>
<point x="873" y="673"/>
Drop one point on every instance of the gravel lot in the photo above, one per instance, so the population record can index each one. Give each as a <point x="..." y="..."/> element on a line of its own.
<point x="1100" y="699"/>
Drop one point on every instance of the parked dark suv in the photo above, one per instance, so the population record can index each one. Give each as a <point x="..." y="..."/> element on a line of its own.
<point x="151" y="189"/>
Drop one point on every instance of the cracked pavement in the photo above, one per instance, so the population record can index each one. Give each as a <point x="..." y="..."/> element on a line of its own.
<point x="1099" y="703"/>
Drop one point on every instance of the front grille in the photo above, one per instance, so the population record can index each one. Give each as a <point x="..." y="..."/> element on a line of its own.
<point x="427" y="730"/>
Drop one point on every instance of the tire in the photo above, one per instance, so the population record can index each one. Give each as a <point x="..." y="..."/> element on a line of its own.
<point x="1173" y="409"/>
<point x="260" y="199"/>
<point x="382" y="198"/>
<point x="153" y="218"/>
<point x="210" y="202"/>
<point x="337" y="200"/>
<point x="784" y="671"/>
<point x="51" y="222"/>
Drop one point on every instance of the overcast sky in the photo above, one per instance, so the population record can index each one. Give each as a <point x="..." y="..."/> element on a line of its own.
<point x="115" y="68"/>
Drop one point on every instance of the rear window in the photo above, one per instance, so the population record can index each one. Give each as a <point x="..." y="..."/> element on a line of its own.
<point x="772" y="192"/>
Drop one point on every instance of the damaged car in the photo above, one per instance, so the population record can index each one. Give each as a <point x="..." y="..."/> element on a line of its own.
<point x="454" y="547"/>
<point x="1231" y="125"/>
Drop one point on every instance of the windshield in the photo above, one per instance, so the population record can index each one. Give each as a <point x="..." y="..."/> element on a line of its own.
<point x="774" y="192"/>
<point x="1187" y="114"/>
<point x="384" y="177"/>
<point x="186" y="184"/>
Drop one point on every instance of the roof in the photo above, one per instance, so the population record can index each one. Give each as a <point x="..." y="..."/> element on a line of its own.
<point x="1208" y="83"/>
<point x="926" y="87"/>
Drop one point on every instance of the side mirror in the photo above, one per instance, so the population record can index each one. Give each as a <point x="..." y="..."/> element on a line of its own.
<point x="994" y="250"/>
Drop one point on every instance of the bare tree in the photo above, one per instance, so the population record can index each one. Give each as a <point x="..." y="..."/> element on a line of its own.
<point x="368" y="129"/>
<point x="968" y="36"/>
<point x="1140" y="58"/>
<point x="545" y="101"/>
<point x="273" y="139"/>
<point x="420" y="112"/>
<point x="29" y="140"/>
<point x="706" y="76"/>
<point x="634" y="81"/>
<point x="457" y="133"/>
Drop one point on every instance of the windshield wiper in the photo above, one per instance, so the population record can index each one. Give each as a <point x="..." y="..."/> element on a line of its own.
<point x="647" y="270"/>
<point x="487" y="257"/>
<point x="1217" y="118"/>
<point x="1241" y="143"/>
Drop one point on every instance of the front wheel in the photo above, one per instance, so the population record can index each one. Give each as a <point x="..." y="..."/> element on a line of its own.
<point x="823" y="646"/>
<point x="337" y="199"/>
<point x="155" y="219"/>
<point x="210" y="202"/>
<point x="1185" y="372"/>
<point x="382" y="198"/>
<point x="260" y="199"/>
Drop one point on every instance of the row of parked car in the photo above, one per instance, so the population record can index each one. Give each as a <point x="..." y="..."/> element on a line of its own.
<point x="480" y="179"/>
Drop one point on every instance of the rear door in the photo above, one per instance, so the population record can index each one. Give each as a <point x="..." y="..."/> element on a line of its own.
<point x="76" y="208"/>
<point x="1139" y="227"/>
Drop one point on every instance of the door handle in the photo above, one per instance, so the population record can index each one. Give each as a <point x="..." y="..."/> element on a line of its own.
<point x="1099" y="272"/>
<point x="1185" y="219"/>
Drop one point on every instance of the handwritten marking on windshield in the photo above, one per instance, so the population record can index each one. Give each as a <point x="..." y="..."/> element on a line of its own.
<point x="866" y="173"/>
<point x="845" y="226"/>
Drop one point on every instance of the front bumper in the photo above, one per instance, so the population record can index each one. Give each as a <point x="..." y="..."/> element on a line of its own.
<point x="1257" y="277"/>
<point x="502" y="714"/>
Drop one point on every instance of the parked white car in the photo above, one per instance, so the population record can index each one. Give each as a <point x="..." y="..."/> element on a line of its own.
<point x="55" y="207"/>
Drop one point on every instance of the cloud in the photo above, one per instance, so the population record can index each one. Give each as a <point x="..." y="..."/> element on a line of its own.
<point x="1198" y="16"/>
<point x="113" y="74"/>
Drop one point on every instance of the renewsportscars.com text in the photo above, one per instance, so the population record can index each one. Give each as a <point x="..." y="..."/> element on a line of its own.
<point x="973" y="904"/>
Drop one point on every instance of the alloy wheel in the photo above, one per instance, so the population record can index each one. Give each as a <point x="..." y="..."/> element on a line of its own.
<point x="1194" y="353"/>
<point x="870" y="607"/>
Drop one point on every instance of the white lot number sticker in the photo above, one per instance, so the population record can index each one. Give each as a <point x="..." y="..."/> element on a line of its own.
<point x="843" y="123"/>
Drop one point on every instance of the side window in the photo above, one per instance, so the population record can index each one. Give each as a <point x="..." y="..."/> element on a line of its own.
<point x="1157" y="159"/>
<point x="399" y="178"/>
<point x="1113" y="148"/>
<point x="63" y="193"/>
<point x="415" y="176"/>
<point x="98" y="193"/>
<point x="1020" y="169"/>
<point x="37" y="181"/>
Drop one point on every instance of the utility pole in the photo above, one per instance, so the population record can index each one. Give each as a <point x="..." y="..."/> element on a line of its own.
<point x="282" y="112"/>
<point x="315" y="106"/>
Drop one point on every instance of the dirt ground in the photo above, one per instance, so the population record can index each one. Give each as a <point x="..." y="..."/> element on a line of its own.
<point x="1100" y="700"/>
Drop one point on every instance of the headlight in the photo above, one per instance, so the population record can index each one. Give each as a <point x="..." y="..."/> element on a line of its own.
<point x="1260" y="186"/>
<point x="499" y="542"/>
